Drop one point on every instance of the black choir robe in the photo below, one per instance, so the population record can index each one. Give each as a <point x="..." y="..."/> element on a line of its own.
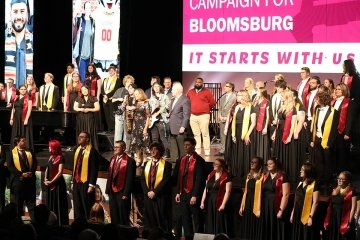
<point x="157" y="209"/>
<point x="119" y="207"/>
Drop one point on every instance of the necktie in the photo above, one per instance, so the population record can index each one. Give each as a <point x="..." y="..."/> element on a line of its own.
<point x="22" y="155"/>
<point x="152" y="175"/>
<point x="187" y="161"/>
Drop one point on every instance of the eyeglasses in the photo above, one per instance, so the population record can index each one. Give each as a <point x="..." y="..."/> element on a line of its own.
<point x="227" y="86"/>
<point x="342" y="179"/>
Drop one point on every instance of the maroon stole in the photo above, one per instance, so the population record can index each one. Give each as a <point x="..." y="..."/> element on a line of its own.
<point x="343" y="113"/>
<point x="119" y="184"/>
<point x="306" y="103"/>
<point x="222" y="186"/>
<point x="55" y="170"/>
<point x="25" y="107"/>
<point x="231" y="115"/>
<point x="305" y="90"/>
<point x="345" y="215"/>
<point x="347" y="80"/>
<point x="262" y="114"/>
<point x="278" y="190"/>
<point x="33" y="97"/>
<point x="93" y="87"/>
<point x="287" y="126"/>
<point x="68" y="95"/>
<point x="190" y="174"/>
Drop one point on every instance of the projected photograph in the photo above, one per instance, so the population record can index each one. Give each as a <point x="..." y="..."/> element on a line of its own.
<point x="18" y="40"/>
<point x="96" y="25"/>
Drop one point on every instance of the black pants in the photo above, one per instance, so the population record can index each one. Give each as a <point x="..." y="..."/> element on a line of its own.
<point x="189" y="217"/>
<point x="119" y="208"/>
<point x="159" y="133"/>
<point x="24" y="191"/>
<point x="83" y="201"/>
<point x="109" y="115"/>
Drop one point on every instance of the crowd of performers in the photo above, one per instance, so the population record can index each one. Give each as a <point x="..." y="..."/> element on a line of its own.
<point x="298" y="135"/>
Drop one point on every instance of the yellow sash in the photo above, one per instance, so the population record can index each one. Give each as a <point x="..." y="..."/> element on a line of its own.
<point x="50" y="96"/>
<point x="16" y="159"/>
<point x="85" y="163"/>
<point x="246" y="122"/>
<point x="159" y="172"/>
<point x="327" y="127"/>
<point x="112" y="85"/>
<point x="305" y="214"/>
<point x="257" y="195"/>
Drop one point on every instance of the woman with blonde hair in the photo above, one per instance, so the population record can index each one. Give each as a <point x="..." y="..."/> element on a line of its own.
<point x="283" y="134"/>
<point x="32" y="90"/>
<point x="238" y="128"/>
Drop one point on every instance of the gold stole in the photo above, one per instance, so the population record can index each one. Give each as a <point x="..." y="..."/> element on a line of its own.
<point x="297" y="107"/>
<point x="16" y="159"/>
<point x="66" y="82"/>
<point x="159" y="172"/>
<point x="84" y="164"/>
<point x="257" y="195"/>
<point x="50" y="96"/>
<point x="112" y="85"/>
<point x="305" y="214"/>
<point x="327" y="128"/>
<point x="246" y="121"/>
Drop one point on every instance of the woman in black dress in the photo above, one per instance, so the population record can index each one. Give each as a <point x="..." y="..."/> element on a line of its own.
<point x="73" y="91"/>
<point x="55" y="183"/>
<point x="274" y="200"/>
<point x="32" y="90"/>
<point x="305" y="205"/>
<point x="250" y="203"/>
<point x="20" y="118"/>
<point x="339" y="221"/>
<point x="283" y="134"/>
<point x="300" y="141"/>
<point x="238" y="128"/>
<point x="215" y="197"/>
<point x="86" y="107"/>
<point x="261" y="137"/>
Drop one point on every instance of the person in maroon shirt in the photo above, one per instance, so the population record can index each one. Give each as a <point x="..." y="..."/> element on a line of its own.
<point x="202" y="101"/>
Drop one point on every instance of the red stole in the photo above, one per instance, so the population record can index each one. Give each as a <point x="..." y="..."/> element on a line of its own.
<point x="345" y="215"/>
<point x="190" y="174"/>
<point x="262" y="114"/>
<point x="3" y="94"/>
<point x="33" y="97"/>
<point x="25" y="107"/>
<point x="78" y="89"/>
<point x="55" y="161"/>
<point x="346" y="79"/>
<point x="93" y="87"/>
<point x="287" y="126"/>
<point x="222" y="186"/>
<point x="117" y="183"/>
<point x="305" y="90"/>
<point x="278" y="190"/>
<point x="343" y="113"/>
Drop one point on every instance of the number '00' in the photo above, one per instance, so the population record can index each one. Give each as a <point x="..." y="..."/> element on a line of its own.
<point x="106" y="35"/>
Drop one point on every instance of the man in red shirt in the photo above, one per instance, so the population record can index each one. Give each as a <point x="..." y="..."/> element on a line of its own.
<point x="202" y="101"/>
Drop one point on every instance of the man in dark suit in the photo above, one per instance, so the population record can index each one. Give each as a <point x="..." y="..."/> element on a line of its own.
<point x="22" y="166"/>
<point x="190" y="174"/>
<point x="85" y="172"/>
<point x="324" y="134"/>
<point x="119" y="183"/>
<point x="178" y="121"/>
<point x="48" y="94"/>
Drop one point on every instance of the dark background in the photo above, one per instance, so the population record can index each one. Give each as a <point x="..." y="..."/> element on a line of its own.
<point x="150" y="39"/>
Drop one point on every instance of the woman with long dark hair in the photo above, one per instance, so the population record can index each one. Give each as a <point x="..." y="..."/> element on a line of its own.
<point x="275" y="191"/>
<point x="215" y="198"/>
<point x="55" y="183"/>
<point x="305" y="206"/>
<point x="339" y="223"/>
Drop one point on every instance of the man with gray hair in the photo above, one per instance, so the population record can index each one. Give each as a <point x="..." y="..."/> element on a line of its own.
<point x="179" y="115"/>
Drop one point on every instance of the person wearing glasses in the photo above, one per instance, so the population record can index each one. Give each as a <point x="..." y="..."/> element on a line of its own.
<point x="227" y="100"/>
<point x="215" y="198"/>
<point x="20" y="118"/>
<point x="339" y="218"/>
<point x="305" y="206"/>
